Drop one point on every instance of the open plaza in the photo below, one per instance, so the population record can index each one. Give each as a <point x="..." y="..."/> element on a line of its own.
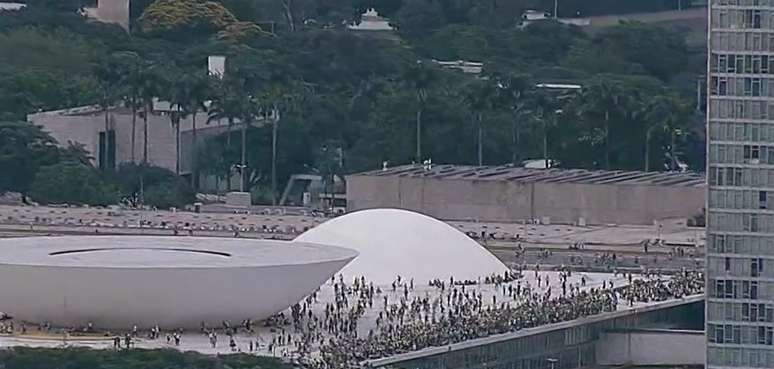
<point x="416" y="283"/>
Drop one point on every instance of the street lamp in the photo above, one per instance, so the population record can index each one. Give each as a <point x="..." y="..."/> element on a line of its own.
<point x="552" y="362"/>
<point x="241" y="168"/>
<point x="549" y="162"/>
<point x="556" y="9"/>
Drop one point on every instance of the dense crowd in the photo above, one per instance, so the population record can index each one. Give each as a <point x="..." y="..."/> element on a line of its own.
<point x="362" y="322"/>
<point x="460" y="313"/>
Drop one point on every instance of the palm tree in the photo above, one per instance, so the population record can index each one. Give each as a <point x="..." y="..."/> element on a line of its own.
<point x="109" y="76"/>
<point x="149" y="88"/>
<point x="546" y="110"/>
<point x="175" y="92"/>
<point x="276" y="100"/>
<point x="197" y="93"/>
<point x="515" y="93"/>
<point x="421" y="78"/>
<point x="131" y="68"/>
<point x="663" y="112"/>
<point x="230" y="102"/>
<point x="481" y="97"/>
<point x="603" y="99"/>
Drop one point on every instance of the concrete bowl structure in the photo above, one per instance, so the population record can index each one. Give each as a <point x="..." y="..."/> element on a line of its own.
<point x="173" y="282"/>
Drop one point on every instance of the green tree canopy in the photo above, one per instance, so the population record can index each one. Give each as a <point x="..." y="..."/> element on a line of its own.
<point x="24" y="149"/>
<point x="72" y="182"/>
<point x="183" y="18"/>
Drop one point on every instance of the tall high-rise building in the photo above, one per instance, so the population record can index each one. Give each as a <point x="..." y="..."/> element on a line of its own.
<point x="740" y="228"/>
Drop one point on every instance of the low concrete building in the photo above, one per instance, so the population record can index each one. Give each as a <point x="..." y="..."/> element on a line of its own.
<point x="513" y="194"/>
<point x="111" y="11"/>
<point x="86" y="125"/>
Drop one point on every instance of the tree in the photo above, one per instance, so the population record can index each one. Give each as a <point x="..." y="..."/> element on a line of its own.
<point x="481" y="97"/>
<point x="515" y="91"/>
<point x="666" y="113"/>
<point x="72" y="182"/>
<point x="547" y="110"/>
<point x="632" y="48"/>
<point x="198" y="90"/>
<point x="603" y="99"/>
<point x="231" y="101"/>
<point x="109" y="74"/>
<point x="421" y="78"/>
<point x="215" y="159"/>
<point x="276" y="101"/>
<point x="131" y="75"/>
<point x="183" y="19"/>
<point x="24" y="148"/>
<point x="176" y="93"/>
<point x="419" y="16"/>
<point x="154" y="186"/>
<point x="150" y="85"/>
<point x="80" y="357"/>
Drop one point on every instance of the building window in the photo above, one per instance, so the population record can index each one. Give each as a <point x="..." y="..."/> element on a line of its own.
<point x="722" y="63"/>
<point x="761" y="335"/>
<point x="745" y="289"/>
<point x="756" y="267"/>
<point x="756" y="87"/>
<point x="756" y="65"/>
<point x="751" y="154"/>
<point x="756" y="20"/>
<point x="763" y="200"/>
<point x="750" y="222"/>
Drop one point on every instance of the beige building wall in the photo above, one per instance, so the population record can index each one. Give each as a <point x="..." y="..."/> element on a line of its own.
<point x="114" y="11"/>
<point x="84" y="126"/>
<point x="515" y="201"/>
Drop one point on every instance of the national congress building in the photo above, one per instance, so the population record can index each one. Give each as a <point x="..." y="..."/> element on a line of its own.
<point x="740" y="232"/>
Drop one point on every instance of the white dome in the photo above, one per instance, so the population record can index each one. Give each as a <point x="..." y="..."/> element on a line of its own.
<point x="394" y="242"/>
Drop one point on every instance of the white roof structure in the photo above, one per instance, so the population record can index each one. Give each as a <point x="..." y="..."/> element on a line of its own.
<point x="175" y="282"/>
<point x="394" y="242"/>
<point x="371" y="21"/>
<point x="11" y="6"/>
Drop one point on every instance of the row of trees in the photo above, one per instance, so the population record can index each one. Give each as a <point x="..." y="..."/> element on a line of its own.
<point x="611" y="117"/>
<point x="40" y="168"/>
<point x="318" y="98"/>
<point x="42" y="358"/>
<point x="243" y="97"/>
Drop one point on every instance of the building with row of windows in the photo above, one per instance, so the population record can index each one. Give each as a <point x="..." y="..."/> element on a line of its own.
<point x="740" y="232"/>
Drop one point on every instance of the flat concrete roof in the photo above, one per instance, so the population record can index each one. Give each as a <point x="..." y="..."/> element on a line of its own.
<point x="510" y="173"/>
<point x="163" y="252"/>
<point x="476" y="342"/>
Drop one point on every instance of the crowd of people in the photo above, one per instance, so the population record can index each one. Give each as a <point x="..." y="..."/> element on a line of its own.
<point x="360" y="321"/>
<point x="416" y="321"/>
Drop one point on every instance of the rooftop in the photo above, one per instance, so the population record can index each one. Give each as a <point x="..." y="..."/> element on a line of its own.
<point x="163" y="252"/>
<point x="11" y="6"/>
<point x="524" y="175"/>
<point x="623" y="312"/>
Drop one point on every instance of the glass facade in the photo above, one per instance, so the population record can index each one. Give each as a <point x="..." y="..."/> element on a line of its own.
<point x="740" y="224"/>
